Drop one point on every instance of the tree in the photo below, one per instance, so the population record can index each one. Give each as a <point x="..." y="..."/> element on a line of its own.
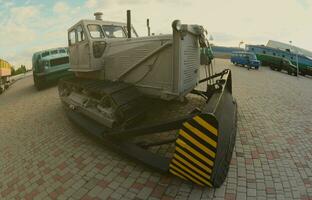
<point x="23" y="69"/>
<point x="12" y="71"/>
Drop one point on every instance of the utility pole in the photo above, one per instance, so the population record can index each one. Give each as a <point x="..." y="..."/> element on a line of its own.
<point x="148" y="28"/>
<point x="240" y="43"/>
<point x="296" y="58"/>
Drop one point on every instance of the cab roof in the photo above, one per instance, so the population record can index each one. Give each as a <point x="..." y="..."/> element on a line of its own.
<point x="52" y="49"/>
<point x="99" y="22"/>
<point x="54" y="56"/>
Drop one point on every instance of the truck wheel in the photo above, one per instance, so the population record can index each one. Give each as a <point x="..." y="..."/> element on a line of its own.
<point x="38" y="83"/>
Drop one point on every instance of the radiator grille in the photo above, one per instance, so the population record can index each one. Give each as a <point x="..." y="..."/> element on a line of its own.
<point x="190" y="64"/>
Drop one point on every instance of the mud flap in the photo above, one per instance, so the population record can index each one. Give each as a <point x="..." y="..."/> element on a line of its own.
<point x="206" y="141"/>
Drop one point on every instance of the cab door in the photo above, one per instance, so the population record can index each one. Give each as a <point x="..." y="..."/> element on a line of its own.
<point x="73" y="49"/>
<point x="79" y="49"/>
<point x="97" y="45"/>
<point x="83" y="49"/>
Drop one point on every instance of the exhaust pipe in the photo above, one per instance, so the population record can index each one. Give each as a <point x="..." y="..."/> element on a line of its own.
<point x="129" y="23"/>
<point x="98" y="15"/>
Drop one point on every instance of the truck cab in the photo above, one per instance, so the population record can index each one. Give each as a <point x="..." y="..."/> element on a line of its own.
<point x="245" y="59"/>
<point x="49" y="66"/>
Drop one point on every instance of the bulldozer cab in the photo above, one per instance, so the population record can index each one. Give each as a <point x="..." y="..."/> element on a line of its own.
<point x="87" y="42"/>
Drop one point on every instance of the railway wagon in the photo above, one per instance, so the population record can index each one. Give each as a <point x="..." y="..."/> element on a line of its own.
<point x="267" y="54"/>
<point x="5" y="73"/>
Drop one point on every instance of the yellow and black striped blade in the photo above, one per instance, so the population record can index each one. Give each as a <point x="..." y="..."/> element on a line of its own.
<point x="196" y="149"/>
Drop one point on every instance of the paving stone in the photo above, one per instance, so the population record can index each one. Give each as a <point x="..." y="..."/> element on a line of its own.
<point x="144" y="193"/>
<point x="105" y="193"/>
<point x="47" y="156"/>
<point x="94" y="191"/>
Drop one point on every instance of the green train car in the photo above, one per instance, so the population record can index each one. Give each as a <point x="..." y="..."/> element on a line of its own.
<point x="49" y="66"/>
<point x="272" y="56"/>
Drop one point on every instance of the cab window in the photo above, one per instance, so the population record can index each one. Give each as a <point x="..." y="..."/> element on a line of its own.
<point x="62" y="51"/>
<point x="112" y="31"/>
<point x="44" y="54"/>
<point x="95" y="31"/>
<point x="53" y="52"/>
<point x="80" y="34"/>
<point x="72" y="37"/>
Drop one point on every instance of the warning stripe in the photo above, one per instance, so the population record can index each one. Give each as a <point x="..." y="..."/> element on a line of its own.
<point x="200" y="134"/>
<point x="177" y="174"/>
<point x="196" y="149"/>
<point x="203" y="129"/>
<point x="185" y="175"/>
<point x="196" y="143"/>
<point x="190" y="165"/>
<point x="206" y="125"/>
<point x="194" y="152"/>
<point x="210" y="153"/>
<point x="198" y="162"/>
<point x="189" y="171"/>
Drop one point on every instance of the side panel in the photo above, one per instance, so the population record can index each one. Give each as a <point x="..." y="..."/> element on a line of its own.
<point x="5" y="71"/>
<point x="190" y="62"/>
<point x="186" y="61"/>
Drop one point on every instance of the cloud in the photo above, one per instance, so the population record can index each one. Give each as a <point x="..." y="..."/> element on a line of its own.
<point x="61" y="7"/>
<point x="31" y="27"/>
<point x="6" y="3"/>
<point x="91" y="3"/>
<point x="21" y="15"/>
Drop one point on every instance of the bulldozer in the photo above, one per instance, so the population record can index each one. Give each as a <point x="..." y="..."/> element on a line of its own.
<point x="123" y="81"/>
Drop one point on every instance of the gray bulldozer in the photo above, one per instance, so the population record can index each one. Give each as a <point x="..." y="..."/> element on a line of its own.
<point x="119" y="80"/>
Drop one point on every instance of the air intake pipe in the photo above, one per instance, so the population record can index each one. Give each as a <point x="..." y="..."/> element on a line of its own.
<point x="98" y="15"/>
<point x="129" y="23"/>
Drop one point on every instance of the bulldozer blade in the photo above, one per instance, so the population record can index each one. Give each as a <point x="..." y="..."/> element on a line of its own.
<point x="205" y="142"/>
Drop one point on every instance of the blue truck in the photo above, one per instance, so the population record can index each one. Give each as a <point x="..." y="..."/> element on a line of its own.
<point x="244" y="58"/>
<point x="49" y="66"/>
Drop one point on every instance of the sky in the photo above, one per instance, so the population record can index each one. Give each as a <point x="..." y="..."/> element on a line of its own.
<point x="28" y="26"/>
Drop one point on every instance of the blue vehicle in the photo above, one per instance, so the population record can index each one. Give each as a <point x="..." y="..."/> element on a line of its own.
<point x="244" y="58"/>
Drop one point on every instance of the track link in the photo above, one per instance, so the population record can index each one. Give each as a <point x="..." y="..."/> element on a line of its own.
<point x="113" y="104"/>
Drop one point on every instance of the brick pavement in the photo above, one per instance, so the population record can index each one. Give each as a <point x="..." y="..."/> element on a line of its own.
<point x="44" y="156"/>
